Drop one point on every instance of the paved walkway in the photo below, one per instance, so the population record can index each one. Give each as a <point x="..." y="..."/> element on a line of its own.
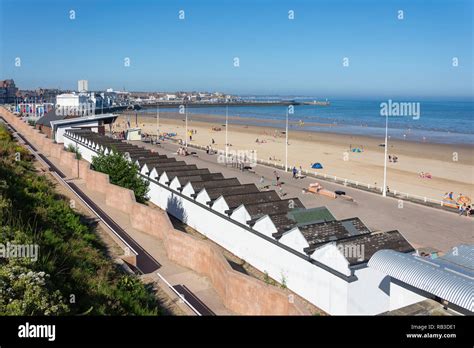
<point x="422" y="226"/>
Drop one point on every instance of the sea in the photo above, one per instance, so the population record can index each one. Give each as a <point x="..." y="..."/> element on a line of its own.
<point x="429" y="121"/>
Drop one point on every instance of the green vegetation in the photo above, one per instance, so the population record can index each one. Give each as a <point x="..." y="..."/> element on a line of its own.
<point x="74" y="149"/>
<point x="267" y="279"/>
<point x="122" y="173"/>
<point x="283" y="282"/>
<point x="72" y="274"/>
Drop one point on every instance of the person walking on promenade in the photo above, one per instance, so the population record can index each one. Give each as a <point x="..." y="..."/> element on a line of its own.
<point x="277" y="177"/>
<point x="294" y="172"/>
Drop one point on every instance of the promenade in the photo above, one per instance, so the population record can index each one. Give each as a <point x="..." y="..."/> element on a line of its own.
<point x="422" y="226"/>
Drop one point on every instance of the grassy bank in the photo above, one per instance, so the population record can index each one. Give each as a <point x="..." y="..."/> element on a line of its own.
<point x="72" y="274"/>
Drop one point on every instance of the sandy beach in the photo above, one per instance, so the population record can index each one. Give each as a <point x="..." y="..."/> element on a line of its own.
<point x="451" y="166"/>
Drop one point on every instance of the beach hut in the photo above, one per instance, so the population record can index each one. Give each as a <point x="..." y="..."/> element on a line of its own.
<point x="317" y="165"/>
<point x="134" y="134"/>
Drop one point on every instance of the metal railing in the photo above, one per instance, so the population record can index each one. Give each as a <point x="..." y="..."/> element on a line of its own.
<point x="435" y="203"/>
<point x="366" y="187"/>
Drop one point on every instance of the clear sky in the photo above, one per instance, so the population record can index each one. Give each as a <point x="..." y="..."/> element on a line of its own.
<point x="388" y="57"/>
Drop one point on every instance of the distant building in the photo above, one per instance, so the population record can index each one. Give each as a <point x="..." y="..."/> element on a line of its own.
<point x="33" y="110"/>
<point x="7" y="91"/>
<point x="82" y="86"/>
<point x="47" y="94"/>
<point x="74" y="104"/>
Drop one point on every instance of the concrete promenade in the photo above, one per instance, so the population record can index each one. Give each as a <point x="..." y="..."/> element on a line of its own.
<point x="422" y="226"/>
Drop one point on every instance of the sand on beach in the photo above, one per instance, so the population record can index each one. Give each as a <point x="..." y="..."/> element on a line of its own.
<point x="451" y="166"/>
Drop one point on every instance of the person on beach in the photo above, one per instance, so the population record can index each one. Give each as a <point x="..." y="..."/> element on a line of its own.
<point x="212" y="141"/>
<point x="462" y="209"/>
<point x="390" y="158"/>
<point x="468" y="210"/>
<point x="450" y="195"/>
<point x="294" y="172"/>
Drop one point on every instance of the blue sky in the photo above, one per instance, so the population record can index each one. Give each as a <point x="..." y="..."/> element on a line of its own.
<point x="387" y="57"/>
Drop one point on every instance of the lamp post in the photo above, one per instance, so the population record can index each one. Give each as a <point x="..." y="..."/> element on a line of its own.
<point x="384" y="188"/>
<point x="226" y="126"/>
<point x="286" y="142"/>
<point x="157" y="123"/>
<point x="186" y="131"/>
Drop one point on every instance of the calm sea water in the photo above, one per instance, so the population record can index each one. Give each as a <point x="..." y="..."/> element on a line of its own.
<point x="438" y="122"/>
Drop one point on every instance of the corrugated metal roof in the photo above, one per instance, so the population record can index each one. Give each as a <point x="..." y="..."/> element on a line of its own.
<point x="430" y="275"/>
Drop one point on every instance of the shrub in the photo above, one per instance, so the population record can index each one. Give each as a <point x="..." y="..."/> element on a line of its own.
<point x="74" y="149"/>
<point x="122" y="173"/>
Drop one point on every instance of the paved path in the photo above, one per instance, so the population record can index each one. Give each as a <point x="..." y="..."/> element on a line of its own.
<point x="422" y="226"/>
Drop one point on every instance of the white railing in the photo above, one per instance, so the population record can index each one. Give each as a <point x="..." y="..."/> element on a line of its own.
<point x="357" y="184"/>
<point x="345" y="181"/>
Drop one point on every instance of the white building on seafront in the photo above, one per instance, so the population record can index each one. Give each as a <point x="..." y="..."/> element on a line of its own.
<point x="74" y="104"/>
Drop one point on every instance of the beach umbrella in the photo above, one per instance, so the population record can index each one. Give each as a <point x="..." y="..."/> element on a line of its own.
<point x="317" y="165"/>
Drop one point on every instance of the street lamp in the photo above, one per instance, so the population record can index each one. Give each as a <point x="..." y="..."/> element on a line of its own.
<point x="286" y="142"/>
<point x="157" y="123"/>
<point x="226" y="126"/>
<point x="186" y="132"/>
<point x="384" y="188"/>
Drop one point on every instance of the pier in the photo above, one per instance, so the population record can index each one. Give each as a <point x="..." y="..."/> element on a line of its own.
<point x="174" y="104"/>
